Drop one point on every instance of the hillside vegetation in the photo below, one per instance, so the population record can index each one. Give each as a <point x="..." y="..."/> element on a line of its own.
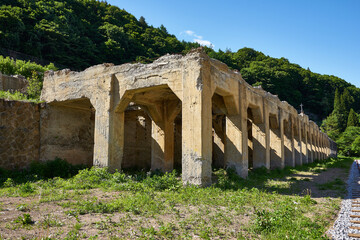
<point x="82" y="33"/>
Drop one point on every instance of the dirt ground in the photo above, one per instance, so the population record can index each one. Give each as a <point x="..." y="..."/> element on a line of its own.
<point x="52" y="220"/>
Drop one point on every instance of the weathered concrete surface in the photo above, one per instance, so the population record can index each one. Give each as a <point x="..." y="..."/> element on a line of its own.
<point x="67" y="132"/>
<point x="137" y="147"/>
<point x="19" y="134"/>
<point x="13" y="83"/>
<point x="256" y="130"/>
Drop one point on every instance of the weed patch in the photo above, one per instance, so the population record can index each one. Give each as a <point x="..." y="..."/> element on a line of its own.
<point x="143" y="205"/>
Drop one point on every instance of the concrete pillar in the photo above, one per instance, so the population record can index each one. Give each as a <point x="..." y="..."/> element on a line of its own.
<point x="261" y="140"/>
<point x="293" y="142"/>
<point x="277" y="144"/>
<point x="320" y="146"/>
<point x="303" y="144"/>
<point x="236" y="139"/>
<point x="316" y="143"/>
<point x="109" y="138"/>
<point x="157" y="145"/>
<point x="196" y="128"/>
<point x="327" y="148"/>
<point x="289" y="144"/>
<point x="323" y="145"/>
<point x="282" y="147"/>
<point x="235" y="152"/>
<point x="297" y="143"/>
<point x="162" y="134"/>
<point x="311" y="146"/>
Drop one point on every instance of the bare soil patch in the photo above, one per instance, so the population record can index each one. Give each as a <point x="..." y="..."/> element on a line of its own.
<point x="212" y="213"/>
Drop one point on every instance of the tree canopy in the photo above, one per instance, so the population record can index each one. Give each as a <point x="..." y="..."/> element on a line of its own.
<point x="81" y="33"/>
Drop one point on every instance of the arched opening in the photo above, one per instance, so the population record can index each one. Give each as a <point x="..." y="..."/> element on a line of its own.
<point x="68" y="131"/>
<point x="256" y="132"/>
<point x="218" y="130"/>
<point x="151" y="123"/>
<point x="288" y="144"/>
<point x="304" y="149"/>
<point x="297" y="145"/>
<point x="275" y="142"/>
<point x="250" y="122"/>
<point x="137" y="145"/>
<point x="315" y="148"/>
<point x="309" y="147"/>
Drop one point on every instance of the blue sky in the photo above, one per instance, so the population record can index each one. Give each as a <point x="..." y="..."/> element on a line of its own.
<point x="323" y="35"/>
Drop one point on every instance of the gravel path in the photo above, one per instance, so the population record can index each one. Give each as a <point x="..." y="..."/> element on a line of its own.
<point x="341" y="226"/>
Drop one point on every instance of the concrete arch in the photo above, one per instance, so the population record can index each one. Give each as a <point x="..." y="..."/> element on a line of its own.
<point x="213" y="100"/>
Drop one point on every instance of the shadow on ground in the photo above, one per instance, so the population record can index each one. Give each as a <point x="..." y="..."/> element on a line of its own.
<point x="325" y="178"/>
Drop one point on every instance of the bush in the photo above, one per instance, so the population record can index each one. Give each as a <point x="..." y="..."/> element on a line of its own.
<point x="355" y="147"/>
<point x="346" y="141"/>
<point x="89" y="178"/>
<point x="9" y="66"/>
<point x="30" y="70"/>
<point x="35" y="86"/>
<point x="54" y="168"/>
<point x="167" y="181"/>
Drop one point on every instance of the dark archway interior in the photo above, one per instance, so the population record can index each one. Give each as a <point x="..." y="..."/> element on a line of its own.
<point x="250" y="123"/>
<point x="138" y="128"/>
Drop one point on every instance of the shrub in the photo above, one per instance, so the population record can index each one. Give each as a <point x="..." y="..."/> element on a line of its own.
<point x="25" y="219"/>
<point x="55" y="168"/>
<point x="345" y="142"/>
<point x="9" y="66"/>
<point x="355" y="147"/>
<point x="167" y="181"/>
<point x="9" y="183"/>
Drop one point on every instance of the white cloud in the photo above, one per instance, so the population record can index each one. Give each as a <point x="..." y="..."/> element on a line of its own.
<point x="203" y="42"/>
<point x="199" y="39"/>
<point x="189" y="32"/>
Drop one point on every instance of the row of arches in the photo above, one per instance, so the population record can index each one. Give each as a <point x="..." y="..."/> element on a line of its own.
<point x="188" y="111"/>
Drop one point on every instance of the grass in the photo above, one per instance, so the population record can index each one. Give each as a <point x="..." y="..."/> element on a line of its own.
<point x="141" y="205"/>
<point x="336" y="184"/>
<point x="17" y="96"/>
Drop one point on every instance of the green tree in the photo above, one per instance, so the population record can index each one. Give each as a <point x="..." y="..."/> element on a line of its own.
<point x="355" y="147"/>
<point x="337" y="101"/>
<point x="81" y="33"/>
<point x="346" y="140"/>
<point x="346" y="101"/>
<point x="353" y="119"/>
<point x="331" y="126"/>
<point x="35" y="86"/>
<point x="143" y="22"/>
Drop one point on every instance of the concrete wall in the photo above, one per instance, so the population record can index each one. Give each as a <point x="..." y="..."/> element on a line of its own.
<point x="19" y="134"/>
<point x="13" y="83"/>
<point x="67" y="133"/>
<point x="137" y="146"/>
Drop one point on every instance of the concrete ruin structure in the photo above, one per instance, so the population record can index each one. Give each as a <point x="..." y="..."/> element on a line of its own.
<point x="13" y="83"/>
<point x="187" y="111"/>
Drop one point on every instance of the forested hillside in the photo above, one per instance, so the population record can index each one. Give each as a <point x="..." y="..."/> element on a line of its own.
<point x="81" y="33"/>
